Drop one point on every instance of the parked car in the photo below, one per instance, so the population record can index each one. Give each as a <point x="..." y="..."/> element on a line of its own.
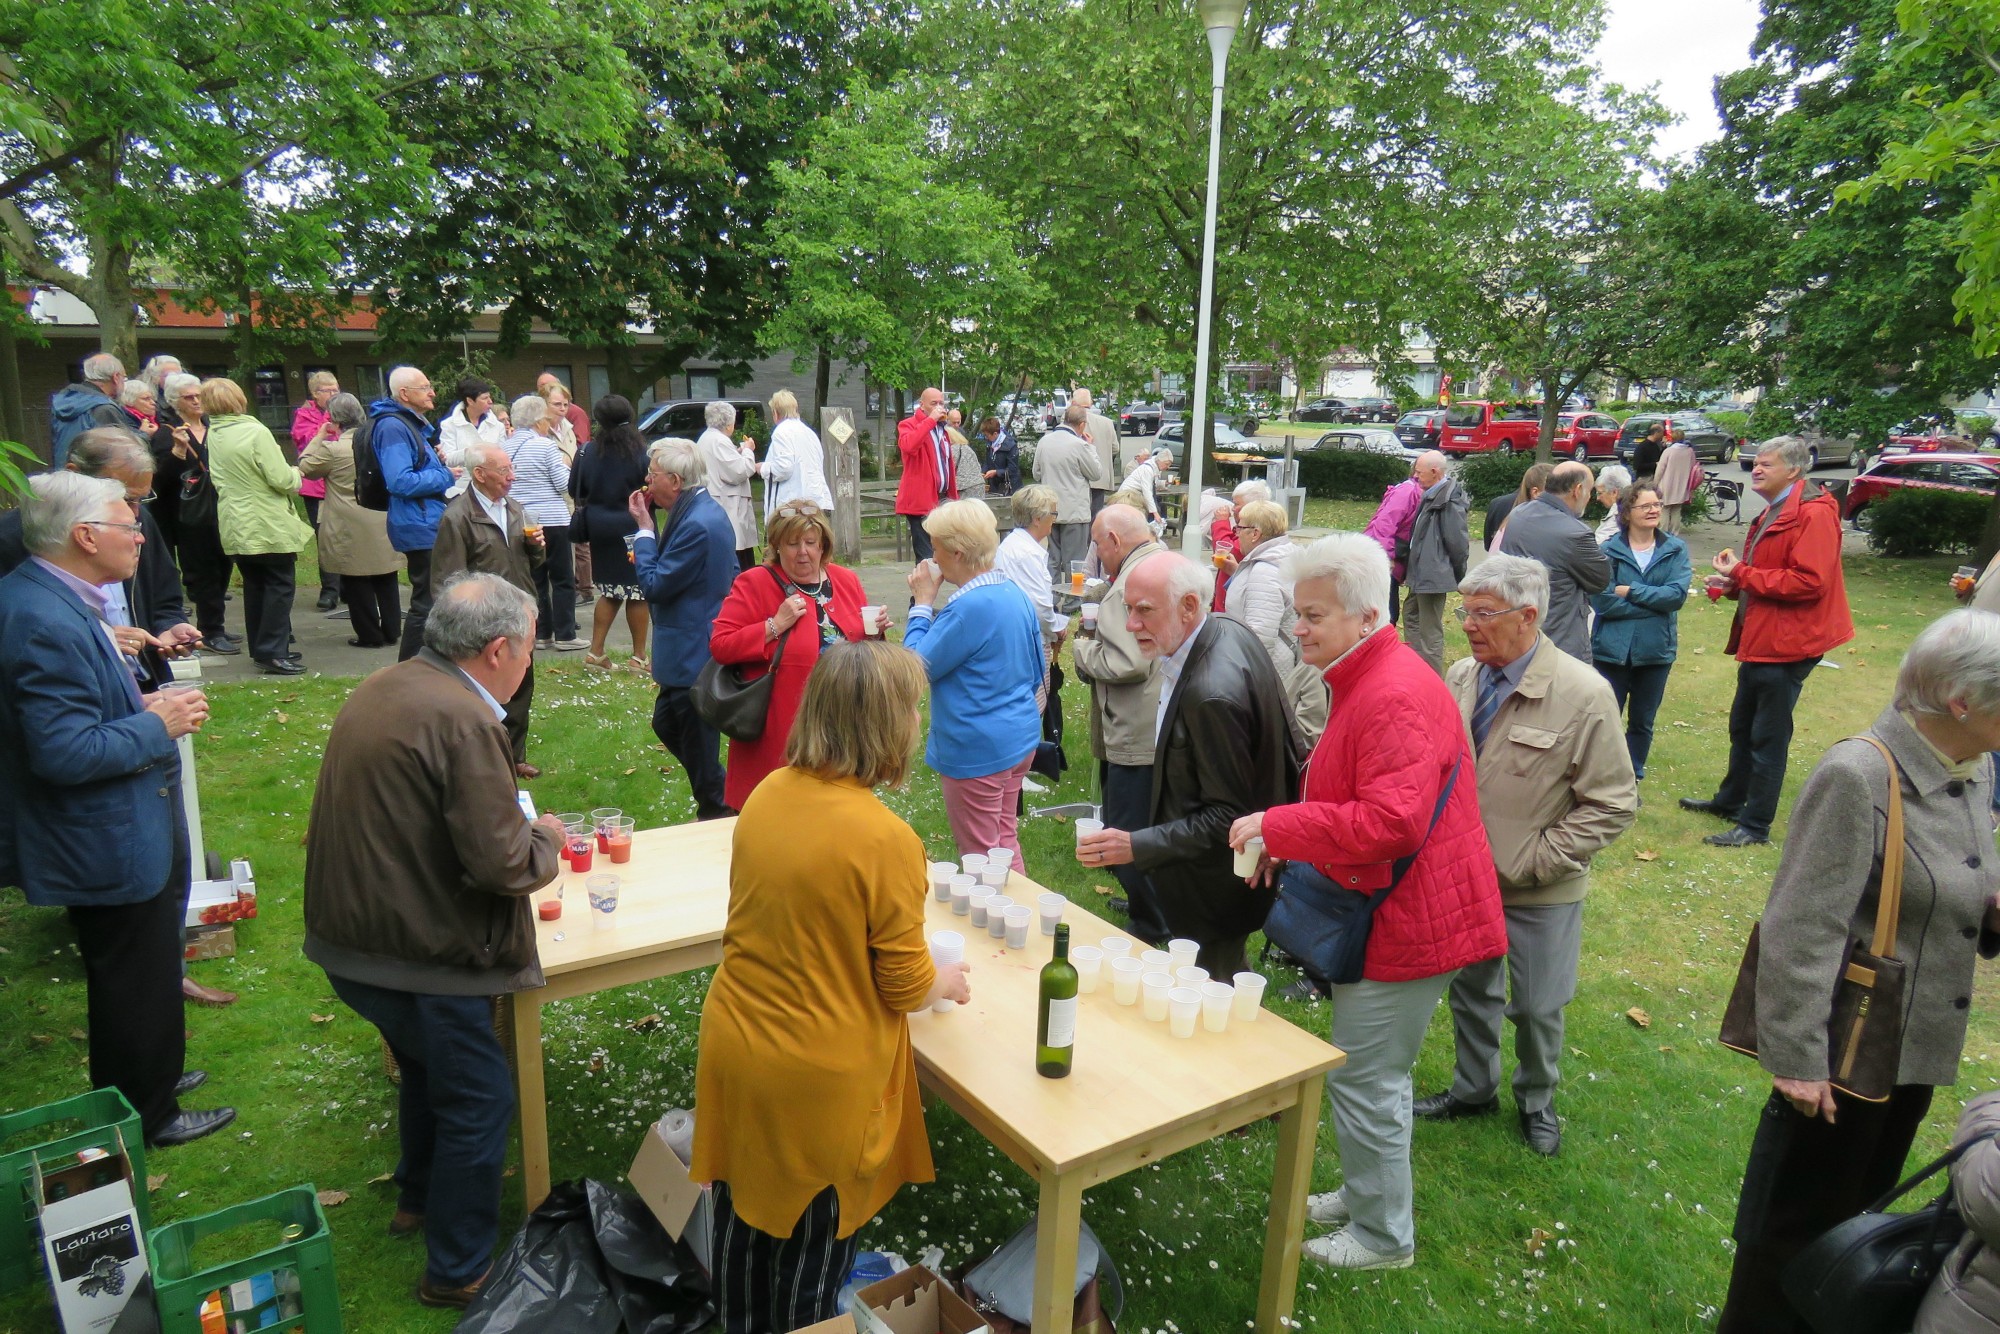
<point x="1369" y="410"/>
<point x="1972" y="473"/>
<point x="1420" y="430"/>
<point x="1321" y="410"/>
<point x="1923" y="435"/>
<point x="1222" y="436"/>
<point x="1821" y="452"/>
<point x="1371" y="439"/>
<point x="1586" y="435"/>
<point x="1139" y="419"/>
<point x="1475" y="427"/>
<point x="687" y="418"/>
<point x="1708" y="440"/>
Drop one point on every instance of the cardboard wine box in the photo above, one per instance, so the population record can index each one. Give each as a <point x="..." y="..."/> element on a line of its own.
<point x="915" y="1301"/>
<point x="91" y="1238"/>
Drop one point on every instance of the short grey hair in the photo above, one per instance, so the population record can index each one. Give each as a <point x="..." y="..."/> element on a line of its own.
<point x="102" y="368"/>
<point x="173" y="386"/>
<point x="103" y="450"/>
<point x="402" y="378"/>
<point x="528" y="411"/>
<point x="345" y="411"/>
<point x="1791" y="450"/>
<point x="1163" y="452"/>
<point x="157" y="370"/>
<point x="1615" y="476"/>
<point x="679" y="458"/>
<point x="473" y="610"/>
<point x="1075" y="415"/>
<point x="478" y="454"/>
<point x="1518" y="581"/>
<point x="1567" y="477"/>
<point x="57" y="502"/>
<point x="1957" y="656"/>
<point x="132" y="391"/>
<point x="1354" y="564"/>
<point x="1254" y="489"/>
<point x="1033" y="502"/>
<point x="1185" y="578"/>
<point x="720" y="415"/>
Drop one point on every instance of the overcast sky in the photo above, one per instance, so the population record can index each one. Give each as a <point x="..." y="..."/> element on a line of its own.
<point x="1679" y="47"/>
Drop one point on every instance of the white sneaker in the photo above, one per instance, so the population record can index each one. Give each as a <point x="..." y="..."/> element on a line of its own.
<point x="570" y="645"/>
<point x="1342" y="1251"/>
<point x="1329" y="1208"/>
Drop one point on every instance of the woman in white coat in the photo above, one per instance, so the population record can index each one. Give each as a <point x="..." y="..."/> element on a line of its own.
<point x="794" y="467"/>
<point x="730" y="468"/>
<point x="1258" y="594"/>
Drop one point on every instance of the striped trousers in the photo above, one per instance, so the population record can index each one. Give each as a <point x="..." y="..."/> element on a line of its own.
<point x="773" y="1285"/>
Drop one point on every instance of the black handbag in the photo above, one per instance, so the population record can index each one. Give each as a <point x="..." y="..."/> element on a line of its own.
<point x="1325" y="926"/>
<point x="1871" y="1272"/>
<point x="197" y="498"/>
<point x="732" y="706"/>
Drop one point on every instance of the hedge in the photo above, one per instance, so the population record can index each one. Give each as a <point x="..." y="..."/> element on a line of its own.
<point x="1918" y="521"/>
<point x="1495" y="474"/>
<point x="1349" y="474"/>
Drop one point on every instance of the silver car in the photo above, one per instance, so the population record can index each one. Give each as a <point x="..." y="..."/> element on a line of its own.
<point x="1371" y="439"/>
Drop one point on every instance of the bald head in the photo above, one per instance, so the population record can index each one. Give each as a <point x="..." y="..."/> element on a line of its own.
<point x="1082" y="398"/>
<point x="930" y="403"/>
<point x="1118" y="530"/>
<point x="1428" y="469"/>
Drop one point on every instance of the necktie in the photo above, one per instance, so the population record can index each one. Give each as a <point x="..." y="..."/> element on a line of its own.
<point x="942" y="443"/>
<point x="1491" y="685"/>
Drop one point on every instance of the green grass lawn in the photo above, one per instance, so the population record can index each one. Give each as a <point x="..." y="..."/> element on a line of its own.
<point x="1634" y="1216"/>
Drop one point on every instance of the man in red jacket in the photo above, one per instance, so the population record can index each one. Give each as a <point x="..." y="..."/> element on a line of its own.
<point x="1791" y="608"/>
<point x="929" y="477"/>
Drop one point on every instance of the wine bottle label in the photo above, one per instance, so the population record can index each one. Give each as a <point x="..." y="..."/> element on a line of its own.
<point x="1062" y="1024"/>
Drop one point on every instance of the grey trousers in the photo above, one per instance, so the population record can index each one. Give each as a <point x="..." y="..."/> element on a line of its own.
<point x="1067" y="542"/>
<point x="1423" y="613"/>
<point x="1530" y="987"/>
<point x="1380" y="1025"/>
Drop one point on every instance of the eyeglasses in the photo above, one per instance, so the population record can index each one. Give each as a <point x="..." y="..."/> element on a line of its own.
<point x="1484" y="617"/>
<point x="797" y="509"/>
<point x="131" y="499"/>
<point x="134" y="528"/>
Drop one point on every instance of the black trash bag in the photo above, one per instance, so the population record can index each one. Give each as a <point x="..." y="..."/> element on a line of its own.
<point x="1049" y="759"/>
<point x="592" y="1260"/>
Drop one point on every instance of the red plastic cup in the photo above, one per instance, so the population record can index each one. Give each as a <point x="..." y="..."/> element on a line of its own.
<point x="581" y="854"/>
<point x="549" y="909"/>
<point x="618" y="839"/>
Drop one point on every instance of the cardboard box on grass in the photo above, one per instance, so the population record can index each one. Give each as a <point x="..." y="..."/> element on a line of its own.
<point x="210" y="942"/>
<point x="840" y="1324"/>
<point x="915" y="1301"/>
<point x="684" y="1207"/>
<point x="91" y="1238"/>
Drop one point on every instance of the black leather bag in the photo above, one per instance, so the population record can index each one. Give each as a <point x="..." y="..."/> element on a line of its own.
<point x="731" y="705"/>
<point x="1870" y="1273"/>
<point x="1325" y="926"/>
<point x="197" y="498"/>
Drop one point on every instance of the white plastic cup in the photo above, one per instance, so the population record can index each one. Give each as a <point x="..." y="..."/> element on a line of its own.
<point x="1116" y="947"/>
<point x="1088" y="960"/>
<point x="994" y="877"/>
<point x="972" y="863"/>
<point x="941" y="876"/>
<point x="996" y="914"/>
<point x="1190" y="977"/>
<point x="1001" y="857"/>
<point x="1248" y="856"/>
<point x="1090" y="615"/>
<point x="1125" y="981"/>
<point x="603" y="893"/>
<point x="1185" y="952"/>
<point x="1216" y="1000"/>
<point x="1156" y="986"/>
<point x="1086" y="827"/>
<point x="1051" y="906"/>
<point x="871" y="620"/>
<point x="947" y="947"/>
<point x="1018" y="920"/>
<point x="1157" y="961"/>
<point x="978" y="899"/>
<point x="961" y="895"/>
<point x="1183" y="1007"/>
<point x="1249" y="997"/>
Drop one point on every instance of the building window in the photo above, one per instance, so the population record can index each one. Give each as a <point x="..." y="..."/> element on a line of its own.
<point x="600" y="383"/>
<point x="704" y="384"/>
<point x="368" y="383"/>
<point x="562" y="373"/>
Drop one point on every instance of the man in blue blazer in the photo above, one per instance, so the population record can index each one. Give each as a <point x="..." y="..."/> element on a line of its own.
<point x="90" y="792"/>
<point x="685" y="571"/>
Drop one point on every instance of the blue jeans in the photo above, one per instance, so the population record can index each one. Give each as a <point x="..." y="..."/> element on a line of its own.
<point x="1638" y="691"/>
<point x="455" y="1114"/>
<point x="1760" y="740"/>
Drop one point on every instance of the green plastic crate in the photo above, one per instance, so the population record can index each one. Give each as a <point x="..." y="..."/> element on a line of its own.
<point x="107" y="1118"/>
<point x="180" y="1286"/>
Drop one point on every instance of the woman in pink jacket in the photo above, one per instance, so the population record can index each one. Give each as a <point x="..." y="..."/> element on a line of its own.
<point x="1394" y="518"/>
<point x="310" y="423"/>
<point x="1393" y="745"/>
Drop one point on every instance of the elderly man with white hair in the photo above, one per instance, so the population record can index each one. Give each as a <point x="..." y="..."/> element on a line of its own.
<point x="90" y="792"/>
<point x="1791" y="610"/>
<point x="730" y="467"/>
<point x="1439" y="542"/>
<point x="417" y="480"/>
<point x="1555" y="788"/>
<point x="1223" y="748"/>
<point x="1102" y="433"/>
<point x="1145" y="475"/>
<point x="1612" y="479"/>
<point x="541" y="487"/>
<point x="77" y="408"/>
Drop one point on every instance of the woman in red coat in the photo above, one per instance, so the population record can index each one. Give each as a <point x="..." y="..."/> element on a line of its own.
<point x="797" y="597"/>
<point x="1393" y="742"/>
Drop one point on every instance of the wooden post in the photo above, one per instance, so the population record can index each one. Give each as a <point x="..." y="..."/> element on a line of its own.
<point x="843" y="473"/>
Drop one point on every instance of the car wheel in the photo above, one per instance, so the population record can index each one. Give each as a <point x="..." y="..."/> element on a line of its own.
<point x="1581" y="453"/>
<point x="1861" y="520"/>
<point x="1857" y="458"/>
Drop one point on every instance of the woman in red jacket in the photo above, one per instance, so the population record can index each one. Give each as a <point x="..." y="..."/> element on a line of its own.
<point x="1393" y="741"/>
<point x="798" y="598"/>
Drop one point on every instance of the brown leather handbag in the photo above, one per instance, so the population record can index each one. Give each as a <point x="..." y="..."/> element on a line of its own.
<point x="1864" y="1034"/>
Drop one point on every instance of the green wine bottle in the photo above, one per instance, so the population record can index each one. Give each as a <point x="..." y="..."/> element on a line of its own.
<point x="1055" y="1039"/>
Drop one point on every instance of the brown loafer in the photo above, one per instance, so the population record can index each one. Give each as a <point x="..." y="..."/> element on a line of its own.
<point x="202" y="995"/>
<point x="405" y="1223"/>
<point x="459" y="1298"/>
<point x="527" y="771"/>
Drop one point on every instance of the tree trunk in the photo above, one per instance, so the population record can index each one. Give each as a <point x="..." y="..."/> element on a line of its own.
<point x="822" y="380"/>
<point x="624" y="373"/>
<point x="1551" y="409"/>
<point x="13" y="411"/>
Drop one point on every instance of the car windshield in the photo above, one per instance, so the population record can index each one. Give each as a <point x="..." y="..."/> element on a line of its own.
<point x="1414" y="419"/>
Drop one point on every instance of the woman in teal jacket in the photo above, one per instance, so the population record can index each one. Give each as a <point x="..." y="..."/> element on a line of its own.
<point x="1636" y="637"/>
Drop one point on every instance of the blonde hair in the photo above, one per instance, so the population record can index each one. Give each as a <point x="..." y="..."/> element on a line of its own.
<point x="784" y="404"/>
<point x="320" y="380"/>
<point x="791" y="521"/>
<point x="859" y="718"/>
<point x="221" y="396"/>
<point x="1267" y="517"/>
<point x="966" y="528"/>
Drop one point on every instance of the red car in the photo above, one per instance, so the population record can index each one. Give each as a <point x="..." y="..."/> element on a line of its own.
<point x="1586" y="435"/>
<point x="1973" y="473"/>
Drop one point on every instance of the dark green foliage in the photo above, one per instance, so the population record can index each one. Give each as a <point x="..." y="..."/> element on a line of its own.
<point x="1349" y="474"/>
<point x="1490" y="475"/>
<point x="1918" y="521"/>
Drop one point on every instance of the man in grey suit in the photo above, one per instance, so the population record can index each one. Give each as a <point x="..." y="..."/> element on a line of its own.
<point x="1068" y="464"/>
<point x="1549" y="530"/>
<point x="1102" y="432"/>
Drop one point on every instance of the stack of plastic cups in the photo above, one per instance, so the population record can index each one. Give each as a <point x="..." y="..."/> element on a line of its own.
<point x="1050" y="907"/>
<point x="1125" y="980"/>
<point x="1190" y="977"/>
<point x="1184" y="952"/>
<point x="941" y="874"/>
<point x="947" y="947"/>
<point x="961" y="894"/>
<point x="1216" y="1000"/>
<point x="1156" y="986"/>
<point x="1183" y="1007"/>
<point x="996" y="915"/>
<point x="1018" y="917"/>
<point x="1249" y="997"/>
<point x="1088" y="960"/>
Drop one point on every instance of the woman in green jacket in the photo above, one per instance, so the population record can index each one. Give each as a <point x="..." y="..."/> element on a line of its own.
<point x="261" y="528"/>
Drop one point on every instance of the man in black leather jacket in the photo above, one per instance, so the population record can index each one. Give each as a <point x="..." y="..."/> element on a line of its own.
<point x="1226" y="747"/>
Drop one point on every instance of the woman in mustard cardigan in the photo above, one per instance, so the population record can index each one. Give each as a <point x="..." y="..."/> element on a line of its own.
<point x="808" y="1118"/>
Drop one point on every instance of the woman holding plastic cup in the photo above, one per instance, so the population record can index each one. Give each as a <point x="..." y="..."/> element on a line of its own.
<point x="1024" y="558"/>
<point x="1391" y="779"/>
<point x="809" y="1113"/>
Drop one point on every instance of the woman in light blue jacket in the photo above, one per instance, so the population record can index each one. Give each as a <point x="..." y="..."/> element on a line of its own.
<point x="1636" y="637"/>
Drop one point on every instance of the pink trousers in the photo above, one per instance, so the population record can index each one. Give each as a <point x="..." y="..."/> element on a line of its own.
<point x="982" y="810"/>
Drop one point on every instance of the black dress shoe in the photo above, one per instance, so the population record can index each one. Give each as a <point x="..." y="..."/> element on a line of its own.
<point x="1704" y="806"/>
<point x="1739" y="837"/>
<point x="328" y="599"/>
<point x="190" y="1081"/>
<point x="1446" y="1107"/>
<point x="222" y="643"/>
<point x="1542" y="1131"/>
<point x="280" y="667"/>
<point x="1119" y="905"/>
<point x="356" y="643"/>
<point x="187" y="1127"/>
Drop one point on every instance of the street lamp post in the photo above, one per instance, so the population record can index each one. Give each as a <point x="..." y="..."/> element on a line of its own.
<point x="1221" y="18"/>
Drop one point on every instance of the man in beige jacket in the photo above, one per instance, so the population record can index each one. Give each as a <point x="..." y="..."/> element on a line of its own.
<point x="1124" y="702"/>
<point x="1103" y="435"/>
<point x="1555" y="787"/>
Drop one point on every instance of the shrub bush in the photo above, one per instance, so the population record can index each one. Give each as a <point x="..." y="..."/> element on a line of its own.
<point x="1349" y="474"/>
<point x="1490" y="475"/>
<point x="1922" y="522"/>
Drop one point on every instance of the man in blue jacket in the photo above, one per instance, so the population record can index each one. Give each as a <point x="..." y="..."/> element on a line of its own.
<point x="685" y="571"/>
<point x="416" y="479"/>
<point x="90" y="793"/>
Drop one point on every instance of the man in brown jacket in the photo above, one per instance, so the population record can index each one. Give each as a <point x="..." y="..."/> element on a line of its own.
<point x="419" y="864"/>
<point x="1555" y="787"/>
<point x="483" y="532"/>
